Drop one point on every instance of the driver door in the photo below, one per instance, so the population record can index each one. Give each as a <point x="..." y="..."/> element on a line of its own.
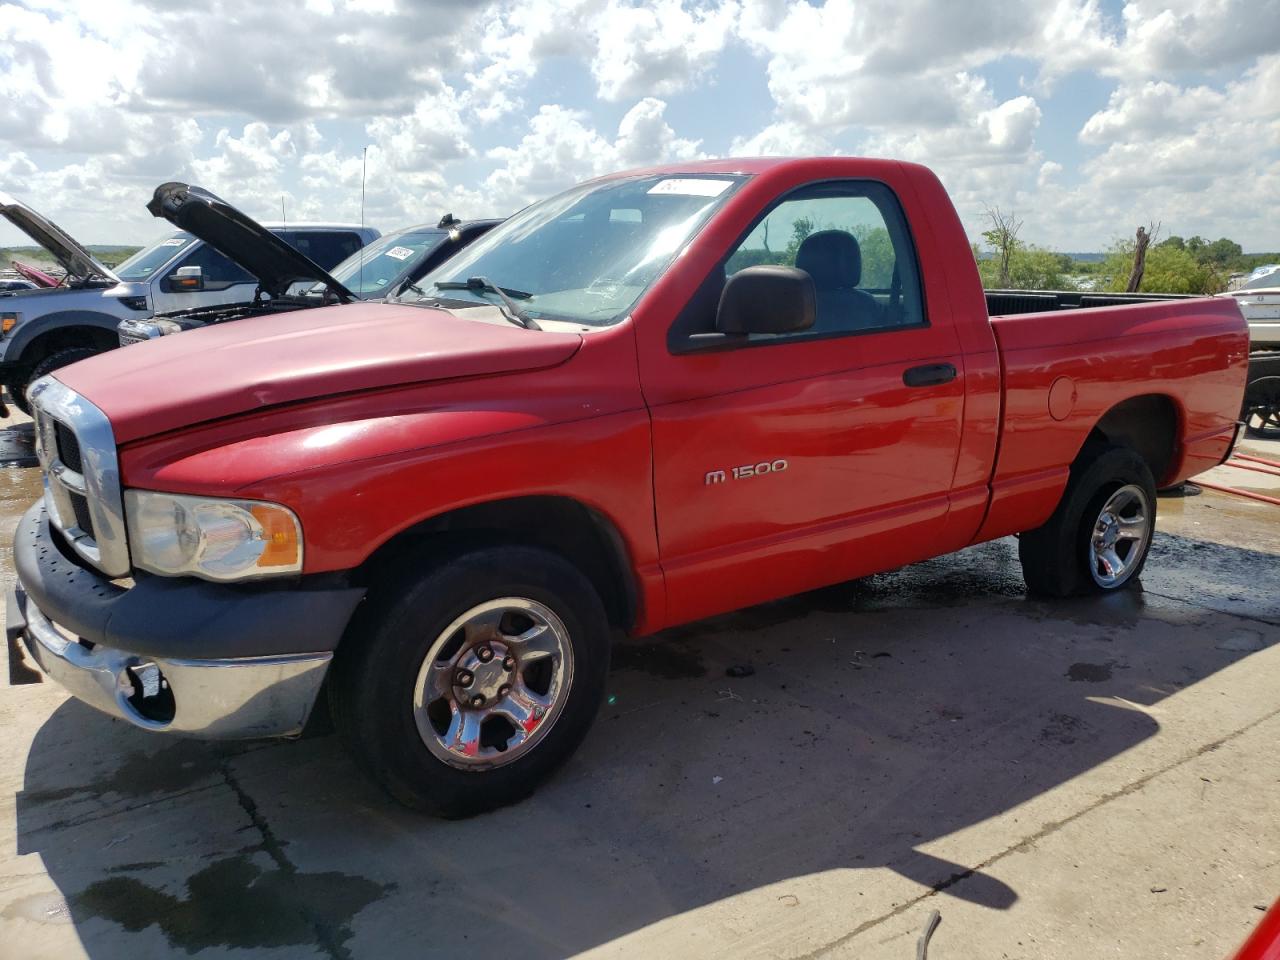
<point x="798" y="460"/>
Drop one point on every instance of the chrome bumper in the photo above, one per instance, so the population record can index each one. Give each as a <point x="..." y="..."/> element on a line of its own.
<point x="230" y="699"/>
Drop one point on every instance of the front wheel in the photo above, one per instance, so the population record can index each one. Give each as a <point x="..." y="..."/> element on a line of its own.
<point x="54" y="361"/>
<point x="1099" y="536"/>
<point x="470" y="684"/>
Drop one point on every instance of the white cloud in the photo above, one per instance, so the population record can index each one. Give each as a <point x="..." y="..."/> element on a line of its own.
<point x="562" y="148"/>
<point x="656" y="48"/>
<point x="479" y="107"/>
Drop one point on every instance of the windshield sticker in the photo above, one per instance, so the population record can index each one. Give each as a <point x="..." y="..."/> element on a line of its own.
<point x="691" y="188"/>
<point x="400" y="253"/>
<point x="174" y="242"/>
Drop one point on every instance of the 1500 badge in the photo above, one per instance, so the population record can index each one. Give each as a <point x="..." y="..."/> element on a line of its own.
<point x="741" y="473"/>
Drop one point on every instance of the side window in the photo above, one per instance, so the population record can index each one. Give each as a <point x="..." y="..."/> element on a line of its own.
<point x="852" y="239"/>
<point x="217" y="269"/>
<point x="325" y="248"/>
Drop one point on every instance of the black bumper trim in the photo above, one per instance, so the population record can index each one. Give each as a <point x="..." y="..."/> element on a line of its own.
<point x="178" y="617"/>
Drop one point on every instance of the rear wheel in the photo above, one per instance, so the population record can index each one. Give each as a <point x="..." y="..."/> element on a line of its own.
<point x="1099" y="536"/>
<point x="1262" y="408"/>
<point x="464" y="688"/>
<point x="54" y="361"/>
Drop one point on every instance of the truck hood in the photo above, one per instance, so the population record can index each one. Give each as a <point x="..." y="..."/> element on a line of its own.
<point x="257" y="362"/>
<point x="276" y="264"/>
<point x="79" y="263"/>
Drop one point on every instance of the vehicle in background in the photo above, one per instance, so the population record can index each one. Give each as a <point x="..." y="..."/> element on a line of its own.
<point x="37" y="276"/>
<point x="44" y="329"/>
<point x="11" y="284"/>
<point x="281" y="277"/>
<point x="621" y="410"/>
<point x="1259" y="299"/>
<point x="383" y="268"/>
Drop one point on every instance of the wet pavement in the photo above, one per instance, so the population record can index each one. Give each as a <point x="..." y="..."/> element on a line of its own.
<point x="806" y="778"/>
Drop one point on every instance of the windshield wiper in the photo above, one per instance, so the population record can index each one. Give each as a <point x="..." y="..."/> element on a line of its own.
<point x="509" y="296"/>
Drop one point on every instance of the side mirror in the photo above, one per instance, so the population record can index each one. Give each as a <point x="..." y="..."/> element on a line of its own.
<point x="187" y="279"/>
<point x="767" y="299"/>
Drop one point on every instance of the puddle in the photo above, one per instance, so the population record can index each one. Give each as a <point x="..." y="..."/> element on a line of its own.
<point x="46" y="908"/>
<point x="18" y="446"/>
<point x="235" y="903"/>
<point x="18" y="488"/>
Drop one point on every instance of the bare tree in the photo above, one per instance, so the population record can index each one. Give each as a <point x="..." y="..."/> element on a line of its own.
<point x="1003" y="238"/>
<point x="1143" y="239"/>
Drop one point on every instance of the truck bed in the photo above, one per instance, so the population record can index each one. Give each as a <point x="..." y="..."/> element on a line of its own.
<point x="1004" y="303"/>
<point x="1187" y="358"/>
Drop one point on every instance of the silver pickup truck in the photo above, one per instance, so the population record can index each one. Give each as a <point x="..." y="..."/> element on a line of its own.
<point x="286" y="279"/>
<point x="44" y="329"/>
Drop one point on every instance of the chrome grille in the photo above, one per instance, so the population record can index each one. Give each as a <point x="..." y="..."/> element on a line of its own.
<point x="77" y="452"/>
<point x="68" y="447"/>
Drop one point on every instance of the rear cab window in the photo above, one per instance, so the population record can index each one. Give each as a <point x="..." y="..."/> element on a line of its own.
<point x="326" y="248"/>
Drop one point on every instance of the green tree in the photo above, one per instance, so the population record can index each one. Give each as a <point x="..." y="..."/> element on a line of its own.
<point x="877" y="257"/>
<point x="1029" y="268"/>
<point x="801" y="227"/>
<point x="1221" y="252"/>
<point x="1169" y="269"/>
<point x="1175" y="241"/>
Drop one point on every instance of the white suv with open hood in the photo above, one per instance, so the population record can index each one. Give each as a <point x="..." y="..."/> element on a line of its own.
<point x="44" y="329"/>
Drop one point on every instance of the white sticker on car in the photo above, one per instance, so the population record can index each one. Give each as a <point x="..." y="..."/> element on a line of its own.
<point x="174" y="242"/>
<point x="688" y="187"/>
<point x="400" y="253"/>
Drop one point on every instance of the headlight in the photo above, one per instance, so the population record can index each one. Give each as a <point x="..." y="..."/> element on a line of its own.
<point x="166" y="327"/>
<point x="211" y="538"/>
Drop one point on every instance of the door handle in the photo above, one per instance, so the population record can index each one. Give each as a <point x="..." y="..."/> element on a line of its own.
<point x="929" y="375"/>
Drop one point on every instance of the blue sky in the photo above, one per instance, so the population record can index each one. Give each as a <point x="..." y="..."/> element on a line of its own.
<point x="1086" y="118"/>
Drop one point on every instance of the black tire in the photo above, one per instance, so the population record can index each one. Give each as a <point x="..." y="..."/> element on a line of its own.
<point x="375" y="675"/>
<point x="1261" y="412"/>
<point x="1056" y="560"/>
<point x="54" y="361"/>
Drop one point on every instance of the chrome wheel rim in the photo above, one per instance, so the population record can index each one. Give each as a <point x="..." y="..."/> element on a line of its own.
<point x="1120" y="536"/>
<point x="493" y="683"/>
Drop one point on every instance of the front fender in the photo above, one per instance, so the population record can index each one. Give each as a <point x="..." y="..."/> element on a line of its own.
<point x="28" y="331"/>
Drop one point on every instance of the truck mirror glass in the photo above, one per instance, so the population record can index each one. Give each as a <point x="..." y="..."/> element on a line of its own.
<point x="767" y="299"/>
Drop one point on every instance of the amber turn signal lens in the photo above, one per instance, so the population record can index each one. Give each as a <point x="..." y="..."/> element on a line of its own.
<point x="280" y="533"/>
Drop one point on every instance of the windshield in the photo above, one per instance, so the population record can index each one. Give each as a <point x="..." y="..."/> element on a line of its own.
<point x="586" y="255"/>
<point x="1269" y="279"/>
<point x="375" y="268"/>
<point x="150" y="259"/>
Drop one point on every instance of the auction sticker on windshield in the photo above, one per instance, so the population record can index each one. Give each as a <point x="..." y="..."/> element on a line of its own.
<point x="687" y="187"/>
<point x="400" y="253"/>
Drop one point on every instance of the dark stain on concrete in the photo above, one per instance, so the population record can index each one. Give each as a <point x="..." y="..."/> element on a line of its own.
<point x="1063" y="729"/>
<point x="171" y="769"/>
<point x="667" y="659"/>
<point x="233" y="902"/>
<point x="1089" y="672"/>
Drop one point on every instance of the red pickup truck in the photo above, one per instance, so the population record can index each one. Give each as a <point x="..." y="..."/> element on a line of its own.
<point x="658" y="396"/>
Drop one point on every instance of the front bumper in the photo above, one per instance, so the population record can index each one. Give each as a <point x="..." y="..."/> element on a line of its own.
<point x="171" y="655"/>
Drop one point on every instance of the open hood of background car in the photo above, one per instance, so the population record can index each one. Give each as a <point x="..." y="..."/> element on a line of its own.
<point x="247" y="242"/>
<point x="79" y="263"/>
